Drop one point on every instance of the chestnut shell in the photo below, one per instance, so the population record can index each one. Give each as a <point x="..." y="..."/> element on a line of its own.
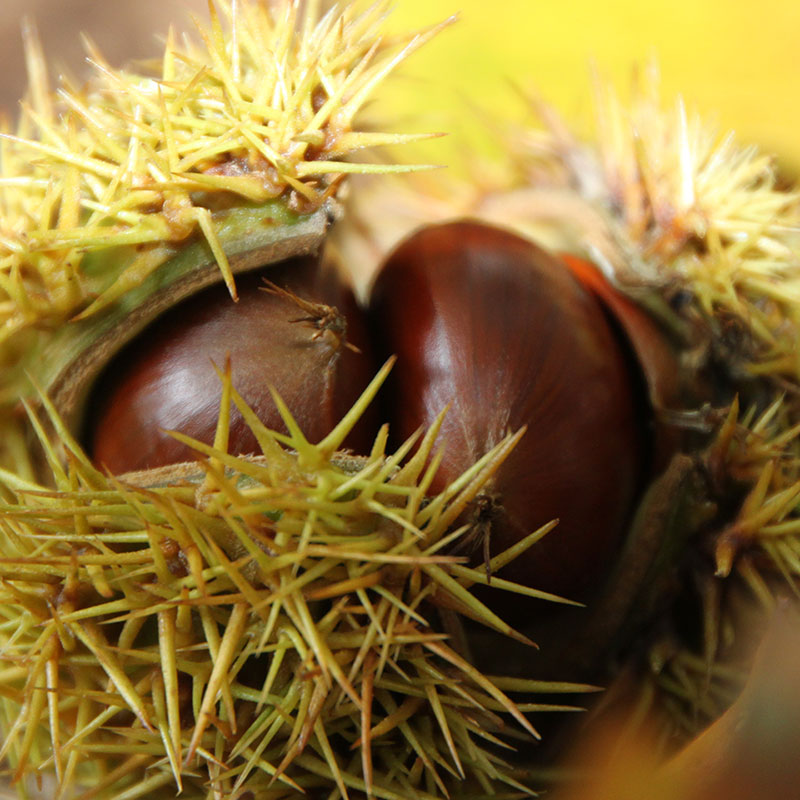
<point x="165" y="379"/>
<point x="486" y="322"/>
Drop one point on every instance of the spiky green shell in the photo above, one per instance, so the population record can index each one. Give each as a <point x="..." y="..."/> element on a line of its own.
<point x="248" y="625"/>
<point x="701" y="223"/>
<point x="119" y="197"/>
<point x="697" y="229"/>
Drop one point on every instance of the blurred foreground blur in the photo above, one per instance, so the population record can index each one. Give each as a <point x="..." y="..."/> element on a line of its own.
<point x="752" y="752"/>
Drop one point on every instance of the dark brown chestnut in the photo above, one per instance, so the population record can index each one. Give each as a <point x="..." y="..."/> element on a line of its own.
<point x="486" y="322"/>
<point x="307" y="339"/>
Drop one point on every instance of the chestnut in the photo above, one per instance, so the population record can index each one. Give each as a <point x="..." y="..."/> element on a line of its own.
<point x="302" y="333"/>
<point x="489" y="324"/>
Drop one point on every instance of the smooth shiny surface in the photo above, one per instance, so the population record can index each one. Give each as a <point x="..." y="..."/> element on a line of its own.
<point x="501" y="331"/>
<point x="166" y="379"/>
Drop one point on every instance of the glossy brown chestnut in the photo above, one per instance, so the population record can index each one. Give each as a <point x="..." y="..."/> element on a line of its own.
<point x="492" y="325"/>
<point x="165" y="379"/>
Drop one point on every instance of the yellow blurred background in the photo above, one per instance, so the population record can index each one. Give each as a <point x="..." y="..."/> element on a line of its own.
<point x="735" y="62"/>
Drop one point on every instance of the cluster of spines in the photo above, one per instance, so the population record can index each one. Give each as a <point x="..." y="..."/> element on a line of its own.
<point x="262" y="110"/>
<point x="694" y="213"/>
<point x="698" y="212"/>
<point x="750" y="558"/>
<point x="257" y="625"/>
